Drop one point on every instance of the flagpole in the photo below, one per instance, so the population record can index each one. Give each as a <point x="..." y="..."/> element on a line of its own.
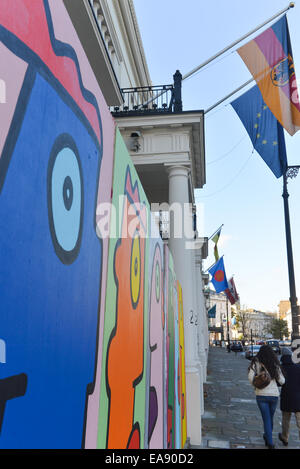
<point x="215" y="232"/>
<point x="212" y="264"/>
<point x="196" y="69"/>
<point x="211" y="59"/>
<point x="229" y="96"/>
<point x="291" y="172"/>
<point x="228" y="336"/>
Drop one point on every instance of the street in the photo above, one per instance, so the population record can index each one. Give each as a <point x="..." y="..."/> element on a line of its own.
<point x="231" y="417"/>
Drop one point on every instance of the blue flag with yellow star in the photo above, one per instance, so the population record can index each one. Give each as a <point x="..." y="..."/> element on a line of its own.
<point x="265" y="132"/>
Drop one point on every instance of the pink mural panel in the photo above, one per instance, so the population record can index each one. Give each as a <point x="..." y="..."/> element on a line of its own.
<point x="156" y="345"/>
<point x="12" y="76"/>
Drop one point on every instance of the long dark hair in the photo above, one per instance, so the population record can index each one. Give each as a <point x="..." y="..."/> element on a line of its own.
<point x="268" y="358"/>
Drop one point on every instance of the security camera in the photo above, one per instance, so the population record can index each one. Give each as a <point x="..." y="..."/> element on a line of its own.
<point x="134" y="144"/>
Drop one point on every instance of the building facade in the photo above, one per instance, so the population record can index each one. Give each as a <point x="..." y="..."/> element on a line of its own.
<point x="220" y="327"/>
<point x="111" y="349"/>
<point x="166" y="145"/>
<point x="254" y="323"/>
<point x="285" y="313"/>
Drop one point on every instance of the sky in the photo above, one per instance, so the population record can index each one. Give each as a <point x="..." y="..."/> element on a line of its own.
<point x="240" y="192"/>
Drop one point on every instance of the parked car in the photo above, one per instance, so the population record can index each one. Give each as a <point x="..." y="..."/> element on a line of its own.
<point x="285" y="343"/>
<point x="216" y="343"/>
<point x="236" y="347"/>
<point x="275" y="345"/>
<point x="252" y="351"/>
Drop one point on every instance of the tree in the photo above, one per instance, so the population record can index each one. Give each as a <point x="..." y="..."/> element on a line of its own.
<point x="278" y="328"/>
<point x="242" y="322"/>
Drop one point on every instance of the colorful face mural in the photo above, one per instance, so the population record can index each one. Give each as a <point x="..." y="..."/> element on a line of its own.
<point x="175" y="358"/>
<point x="182" y="390"/>
<point x="170" y="351"/>
<point x="92" y="327"/>
<point x="125" y="355"/>
<point x="122" y="399"/>
<point x="156" y="346"/>
<point x="50" y="258"/>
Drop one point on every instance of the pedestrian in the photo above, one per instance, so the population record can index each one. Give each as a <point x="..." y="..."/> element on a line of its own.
<point x="265" y="375"/>
<point x="290" y="394"/>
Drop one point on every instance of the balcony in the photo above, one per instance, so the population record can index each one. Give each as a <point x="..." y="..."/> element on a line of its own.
<point x="150" y="100"/>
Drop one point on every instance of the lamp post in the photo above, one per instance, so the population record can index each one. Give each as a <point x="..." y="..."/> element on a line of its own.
<point x="291" y="172"/>
<point x="228" y="336"/>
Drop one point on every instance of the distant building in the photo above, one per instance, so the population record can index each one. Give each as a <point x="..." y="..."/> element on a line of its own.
<point x="283" y="308"/>
<point x="218" y="326"/>
<point x="255" y="323"/>
<point x="285" y="313"/>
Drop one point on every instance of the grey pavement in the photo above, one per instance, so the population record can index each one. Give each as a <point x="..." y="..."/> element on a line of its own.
<point x="231" y="418"/>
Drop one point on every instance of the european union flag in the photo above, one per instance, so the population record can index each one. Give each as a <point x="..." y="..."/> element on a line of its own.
<point x="265" y="131"/>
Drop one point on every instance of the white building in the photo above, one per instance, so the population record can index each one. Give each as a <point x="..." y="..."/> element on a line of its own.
<point x="167" y="147"/>
<point x="256" y="323"/>
<point x="220" y="325"/>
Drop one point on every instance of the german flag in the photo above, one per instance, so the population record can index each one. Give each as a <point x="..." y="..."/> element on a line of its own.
<point x="269" y="59"/>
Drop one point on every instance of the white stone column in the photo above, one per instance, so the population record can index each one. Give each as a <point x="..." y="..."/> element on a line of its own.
<point x="185" y="270"/>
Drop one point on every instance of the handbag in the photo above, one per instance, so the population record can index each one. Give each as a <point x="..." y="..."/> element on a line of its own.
<point x="261" y="379"/>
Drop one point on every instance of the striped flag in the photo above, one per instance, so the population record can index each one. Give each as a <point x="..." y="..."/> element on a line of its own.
<point x="231" y="292"/>
<point x="215" y="239"/>
<point x="269" y="59"/>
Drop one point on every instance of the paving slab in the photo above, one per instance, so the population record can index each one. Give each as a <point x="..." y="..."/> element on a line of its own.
<point x="219" y="444"/>
<point x="209" y="415"/>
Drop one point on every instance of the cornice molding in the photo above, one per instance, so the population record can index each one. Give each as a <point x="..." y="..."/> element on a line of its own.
<point x="135" y="45"/>
<point x="83" y="17"/>
<point x="111" y="29"/>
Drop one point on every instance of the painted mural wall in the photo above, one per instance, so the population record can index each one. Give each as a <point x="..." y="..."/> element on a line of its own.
<point x="90" y="308"/>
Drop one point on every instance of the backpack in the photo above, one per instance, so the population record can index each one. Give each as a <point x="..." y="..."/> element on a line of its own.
<point x="261" y="379"/>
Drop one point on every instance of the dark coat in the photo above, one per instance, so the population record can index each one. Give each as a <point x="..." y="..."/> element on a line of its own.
<point x="290" y="392"/>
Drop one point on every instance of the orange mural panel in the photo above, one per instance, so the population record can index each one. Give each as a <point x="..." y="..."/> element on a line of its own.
<point x="125" y="357"/>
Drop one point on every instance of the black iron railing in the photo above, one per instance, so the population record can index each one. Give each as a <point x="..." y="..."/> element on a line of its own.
<point x="158" y="99"/>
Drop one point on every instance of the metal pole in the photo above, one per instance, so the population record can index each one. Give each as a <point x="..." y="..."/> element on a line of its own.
<point x="215" y="232"/>
<point x="229" y="96"/>
<point x="292" y="285"/>
<point x="196" y="69"/>
<point x="187" y="75"/>
<point x="228" y="337"/>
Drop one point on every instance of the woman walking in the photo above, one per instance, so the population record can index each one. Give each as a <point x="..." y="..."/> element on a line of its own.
<point x="265" y="375"/>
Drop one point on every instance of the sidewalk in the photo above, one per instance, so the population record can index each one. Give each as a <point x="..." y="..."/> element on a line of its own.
<point x="231" y="417"/>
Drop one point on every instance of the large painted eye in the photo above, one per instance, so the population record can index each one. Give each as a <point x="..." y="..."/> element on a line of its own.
<point x="65" y="199"/>
<point x="135" y="270"/>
